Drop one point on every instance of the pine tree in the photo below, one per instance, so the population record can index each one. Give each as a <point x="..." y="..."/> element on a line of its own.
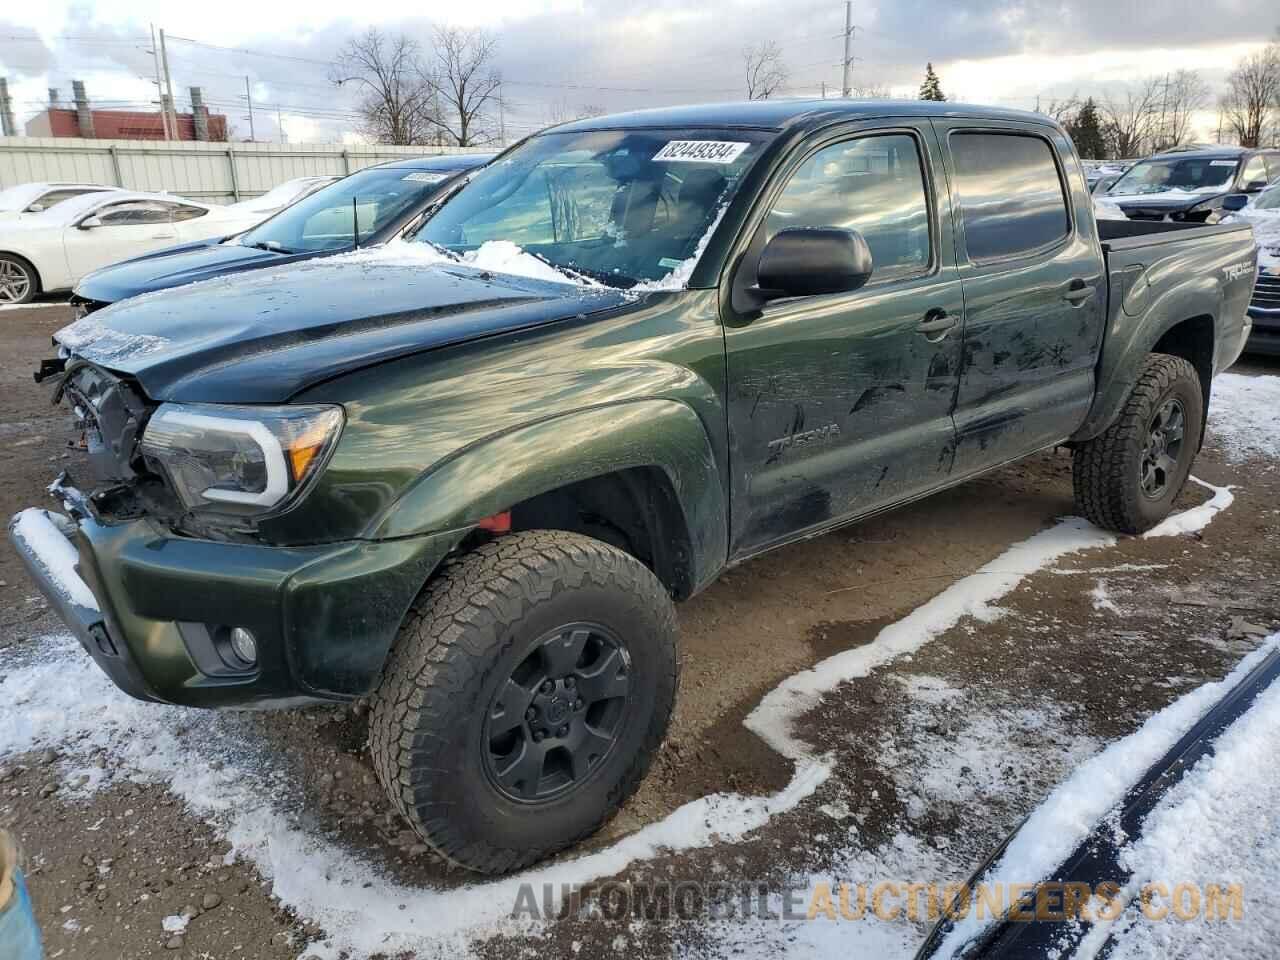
<point x="931" y="89"/>
<point x="1086" y="131"/>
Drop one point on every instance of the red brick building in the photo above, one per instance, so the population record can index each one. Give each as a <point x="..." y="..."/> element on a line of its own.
<point x="120" y="125"/>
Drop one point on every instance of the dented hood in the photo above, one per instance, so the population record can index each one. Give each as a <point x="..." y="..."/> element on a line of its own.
<point x="263" y="337"/>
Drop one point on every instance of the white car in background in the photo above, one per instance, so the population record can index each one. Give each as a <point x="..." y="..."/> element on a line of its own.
<point x="283" y="195"/>
<point x="38" y="197"/>
<point x="51" y="250"/>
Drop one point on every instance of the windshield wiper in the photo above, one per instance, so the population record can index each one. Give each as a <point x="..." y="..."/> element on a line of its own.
<point x="271" y="246"/>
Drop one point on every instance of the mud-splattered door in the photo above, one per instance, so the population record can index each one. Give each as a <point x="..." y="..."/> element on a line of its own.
<point x="841" y="404"/>
<point x="1034" y="288"/>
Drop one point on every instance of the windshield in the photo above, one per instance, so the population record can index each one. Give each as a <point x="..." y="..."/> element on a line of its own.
<point x="1189" y="174"/>
<point x="373" y="197"/>
<point x="19" y="197"/>
<point x="620" y="206"/>
<point x="1268" y="199"/>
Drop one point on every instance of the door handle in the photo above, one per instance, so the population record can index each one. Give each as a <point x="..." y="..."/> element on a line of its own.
<point x="1078" y="292"/>
<point x="936" y="321"/>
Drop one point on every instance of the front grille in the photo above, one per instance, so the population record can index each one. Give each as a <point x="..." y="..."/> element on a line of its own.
<point x="1266" y="294"/>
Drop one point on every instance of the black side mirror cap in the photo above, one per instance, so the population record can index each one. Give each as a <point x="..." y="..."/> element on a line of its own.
<point x="1234" y="202"/>
<point x="808" y="261"/>
<point x="1253" y="186"/>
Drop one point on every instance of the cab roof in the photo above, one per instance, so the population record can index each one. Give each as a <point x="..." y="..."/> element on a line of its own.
<point x="782" y="114"/>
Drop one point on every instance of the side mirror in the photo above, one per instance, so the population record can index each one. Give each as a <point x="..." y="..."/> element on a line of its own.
<point x="36" y="207"/>
<point x="88" y="223"/>
<point x="806" y="261"/>
<point x="1234" y="202"/>
<point x="1253" y="186"/>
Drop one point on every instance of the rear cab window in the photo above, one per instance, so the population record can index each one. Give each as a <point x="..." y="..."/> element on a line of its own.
<point x="1012" y="202"/>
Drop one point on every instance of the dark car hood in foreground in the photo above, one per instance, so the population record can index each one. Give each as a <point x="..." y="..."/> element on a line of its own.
<point x="176" y="266"/>
<point x="262" y="337"/>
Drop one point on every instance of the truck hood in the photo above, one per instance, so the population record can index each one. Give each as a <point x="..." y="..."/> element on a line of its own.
<point x="264" y="336"/>
<point x="1167" y="201"/>
<point x="177" y="266"/>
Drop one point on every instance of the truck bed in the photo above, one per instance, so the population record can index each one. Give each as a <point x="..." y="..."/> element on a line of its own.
<point x="1117" y="235"/>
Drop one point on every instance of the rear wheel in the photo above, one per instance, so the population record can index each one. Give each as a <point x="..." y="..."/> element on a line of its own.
<point x="528" y="690"/>
<point x="1127" y="478"/>
<point x="18" y="281"/>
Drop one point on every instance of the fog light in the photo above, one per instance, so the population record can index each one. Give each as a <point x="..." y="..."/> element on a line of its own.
<point x="244" y="646"/>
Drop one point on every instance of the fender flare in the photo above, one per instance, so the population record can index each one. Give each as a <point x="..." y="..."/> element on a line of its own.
<point x="492" y="474"/>
<point x="1128" y="343"/>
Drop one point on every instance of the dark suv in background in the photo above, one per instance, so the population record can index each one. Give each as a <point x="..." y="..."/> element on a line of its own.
<point x="1189" y="185"/>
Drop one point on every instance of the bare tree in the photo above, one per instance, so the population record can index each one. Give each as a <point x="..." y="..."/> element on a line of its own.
<point x="1064" y="110"/>
<point x="465" y="82"/>
<point x="872" y="91"/>
<point x="1251" y="104"/>
<point x="765" y="71"/>
<point x="395" y="104"/>
<point x="1130" y="124"/>
<point x="561" y="111"/>
<point x="1182" y="95"/>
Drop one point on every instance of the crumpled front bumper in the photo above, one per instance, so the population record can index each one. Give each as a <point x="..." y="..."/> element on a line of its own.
<point x="141" y="602"/>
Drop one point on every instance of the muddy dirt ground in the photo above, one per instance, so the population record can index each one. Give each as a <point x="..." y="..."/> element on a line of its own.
<point x="1077" y="659"/>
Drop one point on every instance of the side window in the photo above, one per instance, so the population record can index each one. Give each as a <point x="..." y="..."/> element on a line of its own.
<point x="135" y="212"/>
<point x="1273" y="167"/>
<point x="1254" y="169"/>
<point x="57" y="196"/>
<point x="182" y="211"/>
<point x="1011" y="199"/>
<point x="874" y="185"/>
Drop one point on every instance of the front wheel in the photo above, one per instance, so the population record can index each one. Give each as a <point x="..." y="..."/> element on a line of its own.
<point x="18" y="282"/>
<point x="529" y="687"/>
<point x="1127" y="478"/>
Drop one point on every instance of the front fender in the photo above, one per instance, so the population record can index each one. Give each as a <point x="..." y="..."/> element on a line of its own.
<point x="499" y="471"/>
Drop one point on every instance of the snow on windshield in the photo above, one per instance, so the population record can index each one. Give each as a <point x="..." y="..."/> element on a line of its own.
<point x="1175" y="178"/>
<point x="494" y="256"/>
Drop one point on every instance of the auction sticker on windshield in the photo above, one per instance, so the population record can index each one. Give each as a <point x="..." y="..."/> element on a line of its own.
<point x="424" y="177"/>
<point x="700" y="151"/>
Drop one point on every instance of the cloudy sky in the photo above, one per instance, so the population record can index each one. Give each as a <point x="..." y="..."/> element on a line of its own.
<point x="558" y="55"/>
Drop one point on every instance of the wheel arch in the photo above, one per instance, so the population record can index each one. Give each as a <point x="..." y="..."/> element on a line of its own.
<point x="641" y="475"/>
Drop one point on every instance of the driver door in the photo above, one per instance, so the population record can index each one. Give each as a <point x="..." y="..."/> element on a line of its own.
<point x="840" y="404"/>
<point x="118" y="231"/>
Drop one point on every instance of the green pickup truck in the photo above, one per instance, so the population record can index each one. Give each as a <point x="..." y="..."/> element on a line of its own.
<point x="466" y="476"/>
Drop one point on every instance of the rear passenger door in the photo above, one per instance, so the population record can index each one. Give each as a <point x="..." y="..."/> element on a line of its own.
<point x="1034" y="290"/>
<point x="840" y="404"/>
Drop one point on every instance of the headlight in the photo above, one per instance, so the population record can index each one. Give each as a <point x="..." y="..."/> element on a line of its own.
<point x="239" y="460"/>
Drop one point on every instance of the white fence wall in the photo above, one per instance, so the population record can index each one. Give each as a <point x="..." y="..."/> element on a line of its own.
<point x="214" y="172"/>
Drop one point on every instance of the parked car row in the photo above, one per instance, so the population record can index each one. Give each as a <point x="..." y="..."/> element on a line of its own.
<point x="60" y="236"/>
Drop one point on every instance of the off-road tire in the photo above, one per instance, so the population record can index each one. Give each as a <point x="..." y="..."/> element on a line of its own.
<point x="1106" y="471"/>
<point x="462" y="637"/>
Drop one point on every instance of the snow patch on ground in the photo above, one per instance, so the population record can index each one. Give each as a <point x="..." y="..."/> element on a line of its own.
<point x="973" y="596"/>
<point x="1239" y="783"/>
<point x="1244" y="416"/>
<point x="1070" y="812"/>
<point x="1101" y="597"/>
<point x="1195" y="519"/>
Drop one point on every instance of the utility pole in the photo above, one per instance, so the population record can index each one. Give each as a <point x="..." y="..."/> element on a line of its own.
<point x="848" y="49"/>
<point x="1164" y="102"/>
<point x="168" y="87"/>
<point x="248" y="96"/>
<point x="280" y="125"/>
<point x="7" y="126"/>
<point x="824" y="89"/>
<point x="502" y="118"/>
<point x="155" y="56"/>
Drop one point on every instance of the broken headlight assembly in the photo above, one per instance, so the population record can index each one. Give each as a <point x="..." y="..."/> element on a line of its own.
<point x="236" y="460"/>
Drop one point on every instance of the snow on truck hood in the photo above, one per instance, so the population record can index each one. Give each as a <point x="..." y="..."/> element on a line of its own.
<point x="264" y="336"/>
